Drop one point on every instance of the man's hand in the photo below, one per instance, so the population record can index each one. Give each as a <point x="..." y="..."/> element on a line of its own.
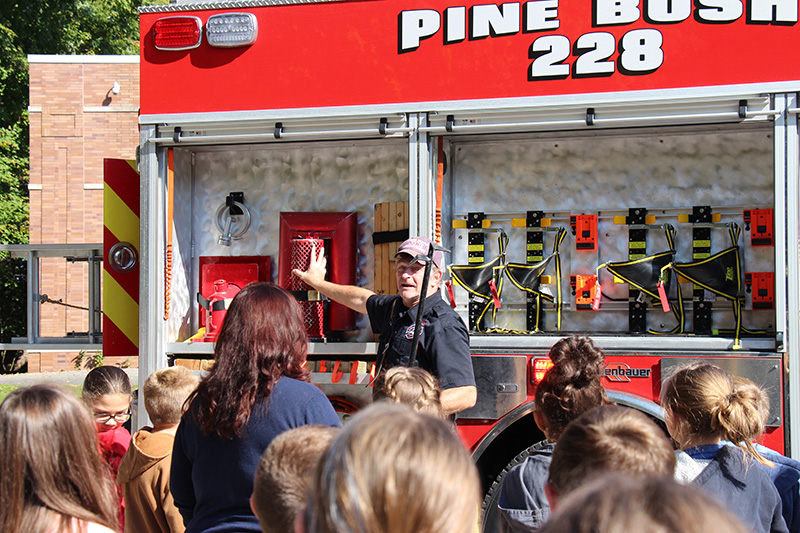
<point x="348" y="295"/>
<point x="317" y="268"/>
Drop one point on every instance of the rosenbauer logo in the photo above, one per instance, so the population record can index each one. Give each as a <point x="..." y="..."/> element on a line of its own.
<point x="621" y="372"/>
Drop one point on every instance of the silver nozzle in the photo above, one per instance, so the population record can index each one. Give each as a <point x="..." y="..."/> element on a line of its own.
<point x="225" y="239"/>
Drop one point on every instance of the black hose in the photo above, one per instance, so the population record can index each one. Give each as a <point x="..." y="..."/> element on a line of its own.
<point x="420" y="306"/>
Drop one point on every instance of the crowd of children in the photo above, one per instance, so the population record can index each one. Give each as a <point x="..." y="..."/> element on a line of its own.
<point x="397" y="466"/>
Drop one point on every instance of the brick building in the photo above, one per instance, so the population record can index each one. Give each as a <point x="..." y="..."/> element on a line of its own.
<point x="82" y="109"/>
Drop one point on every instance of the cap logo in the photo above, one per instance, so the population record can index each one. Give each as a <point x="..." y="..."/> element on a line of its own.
<point x="416" y="246"/>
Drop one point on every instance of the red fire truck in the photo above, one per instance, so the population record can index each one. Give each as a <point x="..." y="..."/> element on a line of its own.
<point x="622" y="169"/>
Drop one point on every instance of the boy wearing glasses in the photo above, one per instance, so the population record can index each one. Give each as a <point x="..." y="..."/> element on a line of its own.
<point x="144" y="471"/>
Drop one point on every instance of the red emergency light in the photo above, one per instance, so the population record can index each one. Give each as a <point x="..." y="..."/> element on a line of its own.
<point x="177" y="33"/>
<point x="539" y="367"/>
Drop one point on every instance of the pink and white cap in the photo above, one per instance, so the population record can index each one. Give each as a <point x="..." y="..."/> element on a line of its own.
<point x="420" y="246"/>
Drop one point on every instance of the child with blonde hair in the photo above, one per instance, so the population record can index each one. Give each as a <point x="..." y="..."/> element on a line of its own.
<point x="413" y="386"/>
<point x="394" y="470"/>
<point x="144" y="471"/>
<point x="704" y="406"/>
<point x="284" y="475"/>
<point x="786" y="473"/>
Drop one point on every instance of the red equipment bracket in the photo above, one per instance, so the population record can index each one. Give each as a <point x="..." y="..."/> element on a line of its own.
<point x="584" y="287"/>
<point x="584" y="227"/>
<point x="761" y="223"/>
<point x="762" y="285"/>
<point x="237" y="270"/>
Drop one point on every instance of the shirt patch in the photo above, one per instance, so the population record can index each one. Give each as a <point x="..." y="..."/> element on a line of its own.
<point x="410" y="330"/>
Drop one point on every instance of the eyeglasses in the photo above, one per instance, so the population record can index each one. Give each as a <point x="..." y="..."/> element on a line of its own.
<point x="402" y="268"/>
<point x="104" y="418"/>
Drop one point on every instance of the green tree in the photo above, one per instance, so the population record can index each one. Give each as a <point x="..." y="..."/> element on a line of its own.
<point x="41" y="27"/>
<point x="107" y="26"/>
<point x="14" y="164"/>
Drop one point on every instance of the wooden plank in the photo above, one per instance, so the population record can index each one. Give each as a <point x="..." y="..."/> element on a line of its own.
<point x="402" y="223"/>
<point x="383" y="224"/>
<point x="402" y="213"/>
<point x="191" y="364"/>
<point x="378" y="251"/>
<point x="387" y="248"/>
<point x="389" y="278"/>
<point x="389" y="216"/>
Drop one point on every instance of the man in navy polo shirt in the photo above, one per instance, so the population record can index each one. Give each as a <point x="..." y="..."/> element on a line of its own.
<point x="443" y="341"/>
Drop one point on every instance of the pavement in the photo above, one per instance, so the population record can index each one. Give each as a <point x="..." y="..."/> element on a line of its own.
<point x="71" y="377"/>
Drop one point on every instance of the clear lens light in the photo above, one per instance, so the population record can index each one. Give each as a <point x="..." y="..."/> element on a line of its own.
<point x="231" y="29"/>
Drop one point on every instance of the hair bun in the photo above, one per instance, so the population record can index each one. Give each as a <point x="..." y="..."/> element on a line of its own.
<point x="581" y="350"/>
<point x="572" y="386"/>
<point x="577" y="362"/>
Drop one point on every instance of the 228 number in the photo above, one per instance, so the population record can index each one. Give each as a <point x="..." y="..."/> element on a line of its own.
<point x="639" y="53"/>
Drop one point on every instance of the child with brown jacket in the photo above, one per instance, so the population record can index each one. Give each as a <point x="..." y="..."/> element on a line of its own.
<point x="144" y="471"/>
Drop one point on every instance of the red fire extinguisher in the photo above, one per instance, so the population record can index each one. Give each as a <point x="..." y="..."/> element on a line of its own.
<point x="216" y="306"/>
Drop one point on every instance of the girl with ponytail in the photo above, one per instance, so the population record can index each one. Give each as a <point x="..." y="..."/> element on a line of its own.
<point x="704" y="406"/>
<point x="569" y="389"/>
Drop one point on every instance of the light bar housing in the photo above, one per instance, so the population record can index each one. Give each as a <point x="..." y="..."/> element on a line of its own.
<point x="539" y="367"/>
<point x="231" y="29"/>
<point x="178" y="33"/>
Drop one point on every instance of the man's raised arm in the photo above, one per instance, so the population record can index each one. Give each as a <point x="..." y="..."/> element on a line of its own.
<point x="348" y="295"/>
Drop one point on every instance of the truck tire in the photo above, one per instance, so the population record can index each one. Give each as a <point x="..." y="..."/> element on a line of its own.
<point x="490" y="514"/>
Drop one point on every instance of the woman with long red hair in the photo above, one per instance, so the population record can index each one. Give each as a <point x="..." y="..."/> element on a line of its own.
<point x="257" y="388"/>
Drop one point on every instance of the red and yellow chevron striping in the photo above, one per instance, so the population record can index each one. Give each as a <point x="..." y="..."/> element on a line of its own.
<point x="120" y="285"/>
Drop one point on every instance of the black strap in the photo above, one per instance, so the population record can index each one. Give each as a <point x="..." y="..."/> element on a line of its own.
<point x="308" y="296"/>
<point x="382" y="237"/>
<point x="381" y="357"/>
<point x="219" y="305"/>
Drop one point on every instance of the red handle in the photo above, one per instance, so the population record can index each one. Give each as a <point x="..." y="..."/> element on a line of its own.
<point x="495" y="296"/>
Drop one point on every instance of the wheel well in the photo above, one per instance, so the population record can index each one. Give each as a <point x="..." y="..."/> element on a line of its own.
<point x="648" y="407"/>
<point x="644" y="405"/>
<point x="517" y="431"/>
<point x="509" y="442"/>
